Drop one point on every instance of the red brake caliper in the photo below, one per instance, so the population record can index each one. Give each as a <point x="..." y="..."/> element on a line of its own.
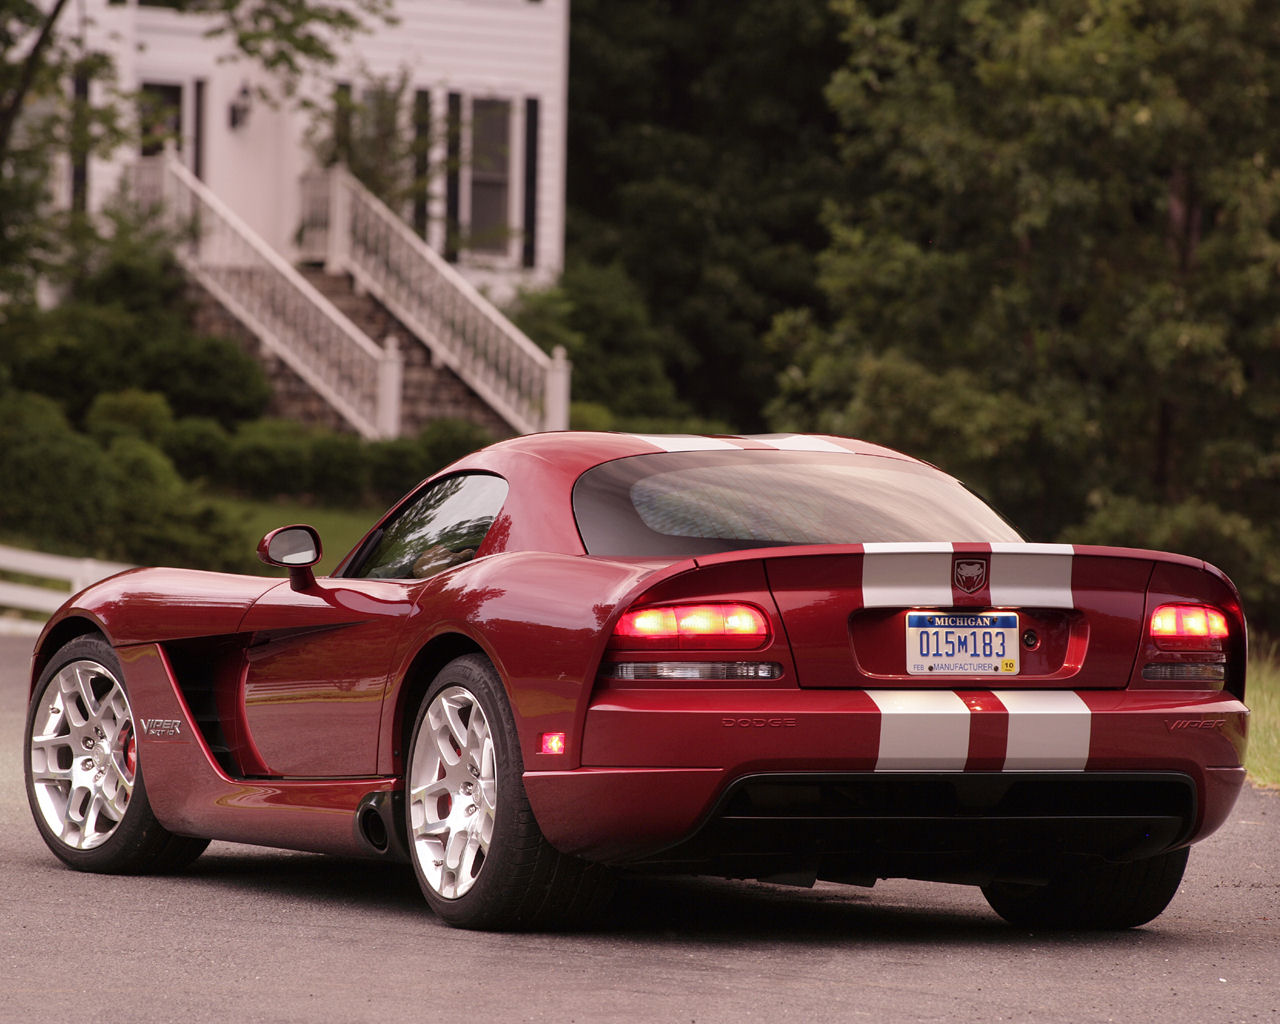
<point x="131" y="751"/>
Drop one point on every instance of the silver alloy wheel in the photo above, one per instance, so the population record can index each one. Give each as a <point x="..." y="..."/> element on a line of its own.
<point x="83" y="754"/>
<point x="453" y="792"/>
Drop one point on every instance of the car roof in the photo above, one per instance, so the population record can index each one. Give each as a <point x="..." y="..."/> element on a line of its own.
<point x="578" y="450"/>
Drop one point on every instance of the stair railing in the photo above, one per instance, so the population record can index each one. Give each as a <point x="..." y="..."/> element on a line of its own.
<point x="359" y="379"/>
<point x="462" y="329"/>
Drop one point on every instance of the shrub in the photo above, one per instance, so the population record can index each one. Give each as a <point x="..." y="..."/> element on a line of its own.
<point x="205" y="376"/>
<point x="198" y="446"/>
<point x="66" y="494"/>
<point x="157" y="518"/>
<point x="268" y="458"/>
<point x="446" y="441"/>
<point x="339" y="469"/>
<point x="132" y="413"/>
<point x="395" y="468"/>
<point x="53" y="476"/>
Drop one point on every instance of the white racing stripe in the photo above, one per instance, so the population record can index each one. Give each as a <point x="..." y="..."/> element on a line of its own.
<point x="799" y="443"/>
<point x="921" y="730"/>
<point x="928" y="730"/>
<point x="687" y="443"/>
<point x="1031" y="575"/>
<point x="1049" y="730"/>
<point x="903" y="575"/>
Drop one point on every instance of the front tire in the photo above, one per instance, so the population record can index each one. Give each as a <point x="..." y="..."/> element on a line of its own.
<point x="1100" y="895"/>
<point x="83" y="776"/>
<point x="477" y="851"/>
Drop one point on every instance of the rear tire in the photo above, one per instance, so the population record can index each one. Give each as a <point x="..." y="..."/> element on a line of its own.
<point x="477" y="851"/>
<point x="1101" y="895"/>
<point x="83" y="774"/>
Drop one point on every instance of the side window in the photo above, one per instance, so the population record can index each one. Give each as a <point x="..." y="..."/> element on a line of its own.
<point x="444" y="527"/>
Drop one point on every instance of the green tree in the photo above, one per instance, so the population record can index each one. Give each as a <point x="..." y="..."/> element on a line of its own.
<point x="1054" y="265"/>
<point x="700" y="150"/>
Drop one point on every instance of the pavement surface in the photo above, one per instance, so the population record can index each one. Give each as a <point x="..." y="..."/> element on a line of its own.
<point x="248" y="934"/>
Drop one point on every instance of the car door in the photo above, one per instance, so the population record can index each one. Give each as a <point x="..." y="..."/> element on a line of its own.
<point x="320" y="660"/>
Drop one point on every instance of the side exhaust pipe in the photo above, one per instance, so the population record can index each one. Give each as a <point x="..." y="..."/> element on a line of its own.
<point x="379" y="826"/>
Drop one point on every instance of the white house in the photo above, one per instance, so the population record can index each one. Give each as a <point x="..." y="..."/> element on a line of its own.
<point x="485" y="85"/>
<point x="486" y="78"/>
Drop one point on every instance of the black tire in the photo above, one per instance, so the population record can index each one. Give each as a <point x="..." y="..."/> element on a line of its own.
<point x="1101" y="895"/>
<point x="477" y="851"/>
<point x="86" y="791"/>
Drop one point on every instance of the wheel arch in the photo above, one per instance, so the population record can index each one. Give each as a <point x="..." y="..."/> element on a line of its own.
<point x="423" y="668"/>
<point x="56" y="637"/>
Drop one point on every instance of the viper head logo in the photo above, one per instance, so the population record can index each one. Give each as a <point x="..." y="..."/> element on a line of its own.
<point x="970" y="576"/>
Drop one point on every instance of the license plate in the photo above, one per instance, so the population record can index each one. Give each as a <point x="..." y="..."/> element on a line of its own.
<point x="962" y="643"/>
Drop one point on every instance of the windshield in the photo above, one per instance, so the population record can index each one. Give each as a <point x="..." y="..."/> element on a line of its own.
<point x="690" y="503"/>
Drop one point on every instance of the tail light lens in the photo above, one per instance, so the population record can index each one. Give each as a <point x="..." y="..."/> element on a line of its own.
<point x="1188" y="627"/>
<point x="1189" y="647"/>
<point x="693" y="627"/>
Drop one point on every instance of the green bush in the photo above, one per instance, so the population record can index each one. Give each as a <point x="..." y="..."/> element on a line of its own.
<point x="67" y="494"/>
<point x="54" y="479"/>
<point x="206" y="376"/>
<point x="129" y="413"/>
<point x="339" y="469"/>
<point x="127" y="324"/>
<point x="269" y="457"/>
<point x="157" y="518"/>
<point x="198" y="446"/>
<point x="446" y="441"/>
<point x="395" y="467"/>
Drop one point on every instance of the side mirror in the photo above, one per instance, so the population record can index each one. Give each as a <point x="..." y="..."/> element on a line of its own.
<point x="296" y="548"/>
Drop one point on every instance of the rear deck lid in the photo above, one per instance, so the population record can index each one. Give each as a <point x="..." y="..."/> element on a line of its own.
<point x="947" y="615"/>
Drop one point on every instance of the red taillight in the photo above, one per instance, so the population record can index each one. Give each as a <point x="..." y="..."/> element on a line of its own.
<point x="1188" y="627"/>
<point x="694" y="627"/>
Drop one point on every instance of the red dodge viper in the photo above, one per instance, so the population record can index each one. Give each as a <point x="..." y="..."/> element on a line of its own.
<point x="779" y="657"/>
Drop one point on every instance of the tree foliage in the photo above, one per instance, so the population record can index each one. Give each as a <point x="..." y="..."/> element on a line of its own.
<point x="1054" y="267"/>
<point x="700" y="150"/>
<point x="42" y="51"/>
<point x="125" y="323"/>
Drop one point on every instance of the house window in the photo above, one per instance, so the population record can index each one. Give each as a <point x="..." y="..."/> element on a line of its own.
<point x="490" y="176"/>
<point x="160" y="115"/>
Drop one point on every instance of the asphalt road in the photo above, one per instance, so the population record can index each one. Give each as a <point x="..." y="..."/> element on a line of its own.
<point x="249" y="934"/>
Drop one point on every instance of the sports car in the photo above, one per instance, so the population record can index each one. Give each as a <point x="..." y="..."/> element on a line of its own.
<point x="781" y="657"/>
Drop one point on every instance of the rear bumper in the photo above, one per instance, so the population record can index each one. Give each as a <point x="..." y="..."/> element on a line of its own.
<point x="869" y="780"/>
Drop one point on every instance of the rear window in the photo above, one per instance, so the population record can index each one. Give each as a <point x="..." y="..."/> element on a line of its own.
<point x="691" y="503"/>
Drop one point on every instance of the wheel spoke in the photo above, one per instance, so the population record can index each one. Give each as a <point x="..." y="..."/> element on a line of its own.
<point x="44" y="758"/>
<point x="472" y="850"/>
<point x="433" y="828"/>
<point x="83" y="704"/>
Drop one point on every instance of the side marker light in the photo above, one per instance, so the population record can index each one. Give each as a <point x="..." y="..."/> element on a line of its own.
<point x="553" y="743"/>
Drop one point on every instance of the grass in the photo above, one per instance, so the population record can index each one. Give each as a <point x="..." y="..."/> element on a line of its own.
<point x="1263" y="697"/>
<point x="340" y="529"/>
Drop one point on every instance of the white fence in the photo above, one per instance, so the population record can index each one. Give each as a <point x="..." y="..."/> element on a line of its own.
<point x="72" y="574"/>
